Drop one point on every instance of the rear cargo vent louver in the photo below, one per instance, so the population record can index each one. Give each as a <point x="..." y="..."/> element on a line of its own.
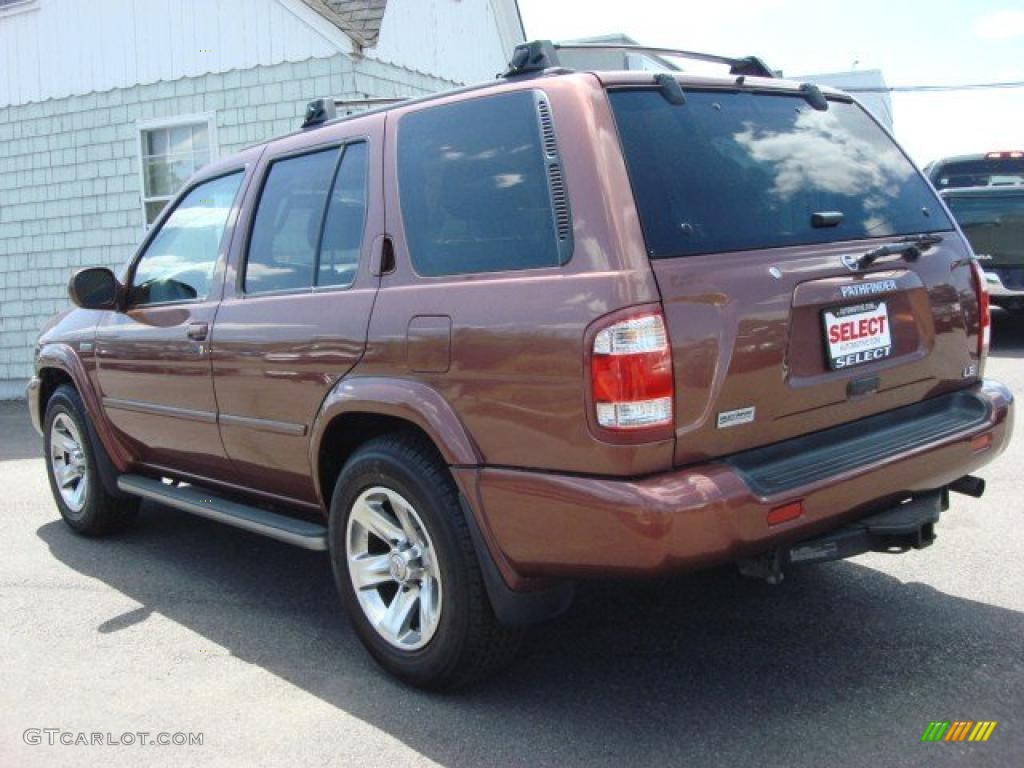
<point x="560" y="200"/>
<point x="556" y="179"/>
<point x="547" y="127"/>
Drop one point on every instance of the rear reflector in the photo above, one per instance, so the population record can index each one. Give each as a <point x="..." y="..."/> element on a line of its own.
<point x="984" y="309"/>
<point x="981" y="443"/>
<point x="631" y="374"/>
<point x="785" y="513"/>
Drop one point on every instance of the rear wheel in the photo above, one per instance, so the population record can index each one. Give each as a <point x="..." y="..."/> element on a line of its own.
<point x="406" y="569"/>
<point x="73" y="471"/>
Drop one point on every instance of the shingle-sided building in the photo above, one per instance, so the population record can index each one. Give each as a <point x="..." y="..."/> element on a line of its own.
<point x="106" y="108"/>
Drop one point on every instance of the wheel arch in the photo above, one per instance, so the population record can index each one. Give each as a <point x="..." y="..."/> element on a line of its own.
<point x="59" y="364"/>
<point x="360" y="409"/>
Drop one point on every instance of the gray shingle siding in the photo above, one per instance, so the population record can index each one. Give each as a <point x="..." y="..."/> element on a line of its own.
<point x="69" y="175"/>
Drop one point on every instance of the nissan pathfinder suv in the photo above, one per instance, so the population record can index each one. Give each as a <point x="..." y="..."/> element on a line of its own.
<point x="484" y="344"/>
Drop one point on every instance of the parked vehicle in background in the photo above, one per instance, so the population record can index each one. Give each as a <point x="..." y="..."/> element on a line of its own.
<point x="482" y="344"/>
<point x="990" y="169"/>
<point x="986" y="195"/>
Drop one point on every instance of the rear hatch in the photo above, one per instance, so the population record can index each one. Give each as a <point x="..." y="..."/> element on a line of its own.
<point x="992" y="218"/>
<point x="757" y="210"/>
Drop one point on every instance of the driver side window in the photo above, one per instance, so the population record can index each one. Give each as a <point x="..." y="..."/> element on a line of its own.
<point x="179" y="262"/>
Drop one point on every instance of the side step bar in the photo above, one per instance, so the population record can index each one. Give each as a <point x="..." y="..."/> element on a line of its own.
<point x="198" y="501"/>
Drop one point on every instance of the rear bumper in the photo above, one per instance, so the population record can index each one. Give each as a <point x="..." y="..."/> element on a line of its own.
<point x="559" y="525"/>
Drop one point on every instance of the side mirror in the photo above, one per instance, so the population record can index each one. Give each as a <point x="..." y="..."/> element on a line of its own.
<point x="94" y="288"/>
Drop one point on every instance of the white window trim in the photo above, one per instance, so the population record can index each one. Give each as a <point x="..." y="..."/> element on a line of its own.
<point x="141" y="126"/>
<point x="19" y="7"/>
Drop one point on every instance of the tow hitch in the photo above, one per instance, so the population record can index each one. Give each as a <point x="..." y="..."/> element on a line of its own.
<point x="910" y="525"/>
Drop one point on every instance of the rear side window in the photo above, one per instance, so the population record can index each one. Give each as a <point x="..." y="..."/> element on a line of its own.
<point x="480" y="185"/>
<point x="739" y="171"/>
<point x="343" y="226"/>
<point x="286" y="230"/>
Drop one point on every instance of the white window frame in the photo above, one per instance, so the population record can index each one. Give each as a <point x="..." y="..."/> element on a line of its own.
<point x="141" y="126"/>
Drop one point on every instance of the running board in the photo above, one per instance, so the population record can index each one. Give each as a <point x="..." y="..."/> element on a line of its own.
<point x="198" y="501"/>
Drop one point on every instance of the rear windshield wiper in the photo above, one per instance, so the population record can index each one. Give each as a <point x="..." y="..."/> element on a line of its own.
<point x="910" y="248"/>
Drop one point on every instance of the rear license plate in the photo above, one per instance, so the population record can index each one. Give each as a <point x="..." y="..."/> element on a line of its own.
<point x="857" y="334"/>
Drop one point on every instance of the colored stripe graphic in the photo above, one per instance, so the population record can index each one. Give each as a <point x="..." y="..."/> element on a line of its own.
<point x="958" y="730"/>
<point x="935" y="731"/>
<point x="982" y="730"/>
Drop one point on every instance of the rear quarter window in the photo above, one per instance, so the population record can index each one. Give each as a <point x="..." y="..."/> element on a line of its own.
<point x="731" y="171"/>
<point x="477" y="180"/>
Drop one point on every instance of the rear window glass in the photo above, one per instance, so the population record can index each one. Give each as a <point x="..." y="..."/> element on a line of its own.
<point x="994" y="225"/>
<point x="474" y="187"/>
<point x="984" y="172"/>
<point x="739" y="171"/>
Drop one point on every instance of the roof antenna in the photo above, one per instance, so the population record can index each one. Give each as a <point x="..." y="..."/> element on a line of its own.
<point x="669" y="88"/>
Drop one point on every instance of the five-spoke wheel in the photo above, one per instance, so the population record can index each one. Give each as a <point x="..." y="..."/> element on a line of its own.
<point x="393" y="567"/>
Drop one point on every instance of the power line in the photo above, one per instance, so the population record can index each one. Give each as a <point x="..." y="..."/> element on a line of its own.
<point x="933" y="88"/>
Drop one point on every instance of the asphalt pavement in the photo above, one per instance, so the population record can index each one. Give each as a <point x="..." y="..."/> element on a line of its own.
<point x="183" y="626"/>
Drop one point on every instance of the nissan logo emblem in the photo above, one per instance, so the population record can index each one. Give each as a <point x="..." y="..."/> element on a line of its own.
<point x="851" y="261"/>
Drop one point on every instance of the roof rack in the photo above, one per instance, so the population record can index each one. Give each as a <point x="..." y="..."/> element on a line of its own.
<point x="320" y="111"/>
<point x="541" y="55"/>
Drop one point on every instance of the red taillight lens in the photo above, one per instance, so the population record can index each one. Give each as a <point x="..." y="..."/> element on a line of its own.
<point x="631" y="374"/>
<point x="984" y="309"/>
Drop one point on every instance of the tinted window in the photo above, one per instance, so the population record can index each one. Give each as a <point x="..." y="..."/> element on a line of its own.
<point x="346" y="214"/>
<point x="994" y="225"/>
<point x="736" y="171"/>
<point x="179" y="262"/>
<point x="984" y="172"/>
<point x="285" y="232"/>
<point x="474" y="187"/>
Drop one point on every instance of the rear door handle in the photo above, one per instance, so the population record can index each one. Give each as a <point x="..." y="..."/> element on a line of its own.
<point x="197" y="331"/>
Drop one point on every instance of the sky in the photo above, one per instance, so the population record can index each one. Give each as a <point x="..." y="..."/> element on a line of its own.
<point x="941" y="42"/>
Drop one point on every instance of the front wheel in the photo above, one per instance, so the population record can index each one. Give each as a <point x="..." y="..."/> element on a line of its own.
<point x="406" y="569"/>
<point x="73" y="470"/>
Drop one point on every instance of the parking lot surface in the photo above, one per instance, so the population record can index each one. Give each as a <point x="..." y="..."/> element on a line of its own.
<point x="186" y="626"/>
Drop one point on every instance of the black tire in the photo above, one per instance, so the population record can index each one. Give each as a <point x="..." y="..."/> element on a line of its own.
<point x="101" y="512"/>
<point x="469" y="643"/>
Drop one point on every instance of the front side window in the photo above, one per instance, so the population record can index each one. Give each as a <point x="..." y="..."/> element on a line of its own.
<point x="170" y="155"/>
<point x="475" y="189"/>
<point x="179" y="261"/>
<point x="731" y="171"/>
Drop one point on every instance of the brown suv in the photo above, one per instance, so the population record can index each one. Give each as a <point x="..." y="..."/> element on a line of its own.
<point x="564" y="324"/>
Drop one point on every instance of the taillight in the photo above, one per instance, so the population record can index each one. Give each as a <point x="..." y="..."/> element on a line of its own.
<point x="984" y="308"/>
<point x="631" y="374"/>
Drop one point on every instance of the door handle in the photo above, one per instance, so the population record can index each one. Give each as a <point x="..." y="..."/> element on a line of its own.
<point x="197" y="331"/>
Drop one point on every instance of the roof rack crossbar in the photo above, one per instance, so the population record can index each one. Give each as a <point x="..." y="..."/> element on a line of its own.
<point x="320" y="111"/>
<point x="750" y="66"/>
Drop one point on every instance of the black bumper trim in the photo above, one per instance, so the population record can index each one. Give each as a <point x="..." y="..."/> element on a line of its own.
<point x="784" y="466"/>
